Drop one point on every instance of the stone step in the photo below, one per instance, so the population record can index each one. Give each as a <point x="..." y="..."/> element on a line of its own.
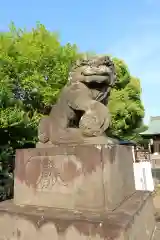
<point x="134" y="219"/>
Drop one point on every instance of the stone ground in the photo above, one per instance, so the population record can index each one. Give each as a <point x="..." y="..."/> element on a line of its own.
<point x="157" y="232"/>
<point x="156" y="201"/>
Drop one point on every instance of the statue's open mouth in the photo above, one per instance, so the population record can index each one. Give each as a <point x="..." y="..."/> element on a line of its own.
<point x="96" y="85"/>
<point x="98" y="90"/>
<point x="96" y="78"/>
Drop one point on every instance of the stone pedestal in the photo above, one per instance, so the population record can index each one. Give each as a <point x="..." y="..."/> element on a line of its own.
<point x="93" y="178"/>
<point x="76" y="192"/>
<point x="132" y="220"/>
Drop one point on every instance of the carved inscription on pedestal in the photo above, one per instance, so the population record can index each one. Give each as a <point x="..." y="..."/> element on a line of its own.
<point x="44" y="172"/>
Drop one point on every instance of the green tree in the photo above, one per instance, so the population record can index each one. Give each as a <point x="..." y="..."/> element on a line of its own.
<point x="127" y="110"/>
<point x="33" y="68"/>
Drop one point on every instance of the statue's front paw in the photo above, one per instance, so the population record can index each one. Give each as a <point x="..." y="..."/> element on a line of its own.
<point x="95" y="120"/>
<point x="43" y="130"/>
<point x="43" y="138"/>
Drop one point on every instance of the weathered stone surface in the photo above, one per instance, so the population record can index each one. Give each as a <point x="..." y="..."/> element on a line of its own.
<point x="156" y="235"/>
<point x="81" y="110"/>
<point x="132" y="220"/>
<point x="118" y="178"/>
<point x="80" y="177"/>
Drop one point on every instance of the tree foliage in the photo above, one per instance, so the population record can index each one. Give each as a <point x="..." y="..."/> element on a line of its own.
<point x="33" y="68"/>
<point x="125" y="103"/>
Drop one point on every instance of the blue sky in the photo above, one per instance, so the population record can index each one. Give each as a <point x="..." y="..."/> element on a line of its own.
<point x="126" y="29"/>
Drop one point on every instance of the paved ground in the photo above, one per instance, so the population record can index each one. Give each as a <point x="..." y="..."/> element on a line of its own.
<point x="157" y="232"/>
<point x="157" y="235"/>
<point x="156" y="201"/>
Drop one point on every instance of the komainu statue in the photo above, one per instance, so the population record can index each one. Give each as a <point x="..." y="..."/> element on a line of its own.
<point x="81" y="112"/>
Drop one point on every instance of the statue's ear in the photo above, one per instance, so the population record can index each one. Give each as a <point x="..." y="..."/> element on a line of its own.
<point x="81" y="62"/>
<point x="78" y="62"/>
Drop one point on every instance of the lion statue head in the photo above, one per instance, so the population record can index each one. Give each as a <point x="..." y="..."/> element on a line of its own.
<point x="97" y="73"/>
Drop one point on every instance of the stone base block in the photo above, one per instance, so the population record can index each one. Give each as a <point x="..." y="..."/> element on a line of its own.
<point x="134" y="219"/>
<point x="81" y="177"/>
